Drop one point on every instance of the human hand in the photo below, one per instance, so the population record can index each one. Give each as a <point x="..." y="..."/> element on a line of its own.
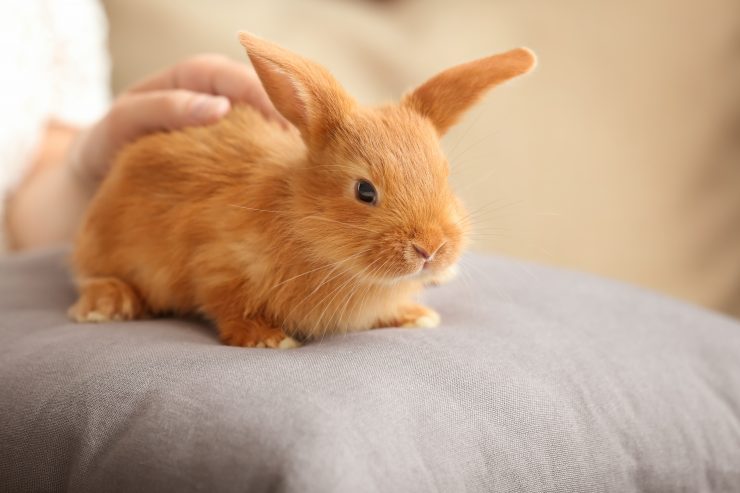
<point x="197" y="91"/>
<point x="71" y="163"/>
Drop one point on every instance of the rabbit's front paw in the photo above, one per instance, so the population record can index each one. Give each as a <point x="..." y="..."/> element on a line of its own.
<point x="106" y="299"/>
<point x="413" y="316"/>
<point x="255" y="333"/>
<point x="444" y="277"/>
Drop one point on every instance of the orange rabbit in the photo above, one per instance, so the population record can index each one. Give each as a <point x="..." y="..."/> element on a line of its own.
<point x="284" y="236"/>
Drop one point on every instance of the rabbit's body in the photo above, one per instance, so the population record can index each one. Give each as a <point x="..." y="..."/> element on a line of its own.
<point x="172" y="197"/>
<point x="191" y="218"/>
<point x="276" y="234"/>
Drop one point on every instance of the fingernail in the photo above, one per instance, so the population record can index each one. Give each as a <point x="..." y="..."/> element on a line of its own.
<point x="207" y="108"/>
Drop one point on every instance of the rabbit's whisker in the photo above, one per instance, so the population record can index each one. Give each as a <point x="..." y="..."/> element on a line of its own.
<point x="337" y="290"/>
<point x="367" y="291"/>
<point x="335" y="166"/>
<point x="258" y="210"/>
<point x="488" y="208"/>
<point x="352" y="293"/>
<point x="305" y="217"/>
<point x="321" y="218"/>
<point x="368" y="276"/>
<point x="328" y="277"/>
<point x="333" y="293"/>
<point x="320" y="268"/>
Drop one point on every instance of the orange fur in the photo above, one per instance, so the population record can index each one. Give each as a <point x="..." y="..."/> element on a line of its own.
<point x="259" y="229"/>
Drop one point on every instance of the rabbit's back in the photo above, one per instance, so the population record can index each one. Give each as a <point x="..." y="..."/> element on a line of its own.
<point x="164" y="209"/>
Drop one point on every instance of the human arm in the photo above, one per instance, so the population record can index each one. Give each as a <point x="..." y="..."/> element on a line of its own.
<point x="46" y="208"/>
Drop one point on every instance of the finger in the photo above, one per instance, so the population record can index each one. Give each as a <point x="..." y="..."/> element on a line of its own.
<point x="134" y="115"/>
<point x="240" y="84"/>
<point x="196" y="74"/>
<point x="217" y="75"/>
<point x="137" y="114"/>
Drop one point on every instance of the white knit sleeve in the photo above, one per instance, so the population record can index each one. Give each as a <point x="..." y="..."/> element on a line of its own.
<point x="81" y="67"/>
<point x="55" y="65"/>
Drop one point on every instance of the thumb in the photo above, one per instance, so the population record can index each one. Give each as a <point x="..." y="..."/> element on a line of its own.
<point x="137" y="114"/>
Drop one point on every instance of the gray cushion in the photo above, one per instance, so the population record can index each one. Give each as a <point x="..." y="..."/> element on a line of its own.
<point x="538" y="380"/>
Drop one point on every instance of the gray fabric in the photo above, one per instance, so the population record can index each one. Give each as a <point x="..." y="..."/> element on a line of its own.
<point x="539" y="380"/>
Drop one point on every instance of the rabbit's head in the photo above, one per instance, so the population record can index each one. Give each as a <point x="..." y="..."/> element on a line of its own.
<point x="374" y="195"/>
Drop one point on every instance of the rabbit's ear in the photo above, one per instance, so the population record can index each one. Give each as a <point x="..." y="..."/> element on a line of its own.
<point x="445" y="97"/>
<point x="304" y="92"/>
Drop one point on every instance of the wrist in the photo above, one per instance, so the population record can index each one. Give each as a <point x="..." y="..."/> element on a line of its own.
<point x="77" y="169"/>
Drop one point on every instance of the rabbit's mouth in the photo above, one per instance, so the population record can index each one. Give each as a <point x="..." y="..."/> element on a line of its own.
<point x="407" y="257"/>
<point x="427" y="272"/>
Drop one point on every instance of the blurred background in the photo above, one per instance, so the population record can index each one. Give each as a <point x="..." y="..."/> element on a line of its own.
<point x="619" y="156"/>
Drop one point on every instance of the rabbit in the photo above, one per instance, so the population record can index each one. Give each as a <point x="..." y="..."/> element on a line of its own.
<point x="280" y="236"/>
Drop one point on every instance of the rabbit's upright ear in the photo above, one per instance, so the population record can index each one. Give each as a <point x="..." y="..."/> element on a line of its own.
<point x="304" y="92"/>
<point x="445" y="97"/>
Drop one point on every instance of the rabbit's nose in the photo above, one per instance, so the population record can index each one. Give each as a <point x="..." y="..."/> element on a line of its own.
<point x="427" y="252"/>
<point x="423" y="253"/>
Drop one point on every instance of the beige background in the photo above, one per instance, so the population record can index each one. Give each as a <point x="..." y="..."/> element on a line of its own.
<point x="619" y="156"/>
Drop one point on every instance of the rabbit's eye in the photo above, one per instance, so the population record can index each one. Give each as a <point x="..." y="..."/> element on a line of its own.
<point x="365" y="192"/>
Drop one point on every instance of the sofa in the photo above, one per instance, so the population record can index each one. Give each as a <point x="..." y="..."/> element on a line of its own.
<point x="619" y="155"/>
<point x="588" y="345"/>
<point x="537" y="380"/>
